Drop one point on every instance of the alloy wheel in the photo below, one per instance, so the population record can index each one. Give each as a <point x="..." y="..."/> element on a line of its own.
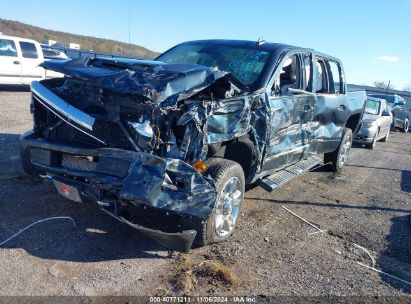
<point x="228" y="207"/>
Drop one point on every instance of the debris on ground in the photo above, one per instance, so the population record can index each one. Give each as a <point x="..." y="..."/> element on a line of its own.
<point x="187" y="274"/>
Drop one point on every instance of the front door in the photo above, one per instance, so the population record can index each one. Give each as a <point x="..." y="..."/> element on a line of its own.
<point x="291" y="107"/>
<point x="10" y="64"/>
<point x="30" y="62"/>
<point x="386" y="120"/>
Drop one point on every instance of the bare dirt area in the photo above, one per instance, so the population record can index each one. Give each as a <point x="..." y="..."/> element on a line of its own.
<point x="363" y="215"/>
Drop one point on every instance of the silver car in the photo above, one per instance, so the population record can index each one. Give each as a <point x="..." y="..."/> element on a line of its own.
<point x="376" y="123"/>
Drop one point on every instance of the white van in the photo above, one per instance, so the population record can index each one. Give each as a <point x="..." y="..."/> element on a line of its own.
<point x="19" y="61"/>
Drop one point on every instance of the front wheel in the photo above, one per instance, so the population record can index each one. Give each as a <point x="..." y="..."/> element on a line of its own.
<point x="26" y="162"/>
<point x="339" y="157"/>
<point x="372" y="144"/>
<point x="230" y="184"/>
<point x="405" y="126"/>
<point x="385" y="139"/>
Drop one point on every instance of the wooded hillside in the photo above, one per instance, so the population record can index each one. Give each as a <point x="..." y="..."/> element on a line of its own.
<point x="15" y="28"/>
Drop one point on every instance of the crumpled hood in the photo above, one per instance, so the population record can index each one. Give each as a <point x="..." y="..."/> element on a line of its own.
<point x="162" y="83"/>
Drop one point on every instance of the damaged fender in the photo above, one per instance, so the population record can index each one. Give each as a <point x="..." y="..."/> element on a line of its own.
<point x="169" y="184"/>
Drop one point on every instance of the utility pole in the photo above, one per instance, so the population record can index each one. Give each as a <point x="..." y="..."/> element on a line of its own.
<point x="388" y="86"/>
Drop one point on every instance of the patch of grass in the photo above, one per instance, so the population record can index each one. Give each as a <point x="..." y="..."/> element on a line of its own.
<point x="186" y="274"/>
<point x="183" y="278"/>
<point x="216" y="271"/>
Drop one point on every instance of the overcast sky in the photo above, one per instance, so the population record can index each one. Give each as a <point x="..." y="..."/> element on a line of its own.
<point x="372" y="38"/>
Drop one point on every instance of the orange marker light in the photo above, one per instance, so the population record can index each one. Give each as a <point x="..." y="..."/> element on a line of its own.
<point x="200" y="166"/>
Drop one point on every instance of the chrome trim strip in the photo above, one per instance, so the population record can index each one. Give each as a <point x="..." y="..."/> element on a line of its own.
<point x="65" y="119"/>
<point x="294" y="150"/>
<point x="62" y="106"/>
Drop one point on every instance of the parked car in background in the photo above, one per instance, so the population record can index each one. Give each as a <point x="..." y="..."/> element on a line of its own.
<point x="399" y="109"/>
<point x="53" y="54"/>
<point x="376" y="123"/>
<point x="20" y="59"/>
<point x="167" y="146"/>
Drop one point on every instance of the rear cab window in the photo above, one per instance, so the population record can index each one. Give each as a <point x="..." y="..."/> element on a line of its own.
<point x="8" y="48"/>
<point x="329" y="78"/>
<point x="335" y="77"/>
<point x="28" y="50"/>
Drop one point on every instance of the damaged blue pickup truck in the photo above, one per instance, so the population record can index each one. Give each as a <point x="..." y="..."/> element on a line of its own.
<point x="169" y="145"/>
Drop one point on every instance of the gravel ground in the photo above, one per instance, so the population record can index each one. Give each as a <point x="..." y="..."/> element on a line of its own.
<point x="272" y="252"/>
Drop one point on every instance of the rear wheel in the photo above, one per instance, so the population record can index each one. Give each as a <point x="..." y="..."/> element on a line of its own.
<point x="405" y="126"/>
<point x="230" y="184"/>
<point x="339" y="157"/>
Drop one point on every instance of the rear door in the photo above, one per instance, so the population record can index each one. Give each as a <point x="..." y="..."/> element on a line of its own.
<point x="290" y="111"/>
<point x="10" y="63"/>
<point x="385" y="120"/>
<point x="332" y="109"/>
<point x="31" y="58"/>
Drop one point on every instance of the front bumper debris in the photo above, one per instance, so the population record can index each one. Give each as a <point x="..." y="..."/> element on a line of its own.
<point x="115" y="177"/>
<point x="178" y="241"/>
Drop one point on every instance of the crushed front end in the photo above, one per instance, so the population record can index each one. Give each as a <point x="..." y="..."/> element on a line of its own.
<point x="127" y="137"/>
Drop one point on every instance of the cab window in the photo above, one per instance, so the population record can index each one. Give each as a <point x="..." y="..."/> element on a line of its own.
<point x="28" y="50"/>
<point x="308" y="72"/>
<point x="291" y="77"/>
<point x="335" y="78"/>
<point x="321" y="78"/>
<point x="7" y="48"/>
<point x="328" y="78"/>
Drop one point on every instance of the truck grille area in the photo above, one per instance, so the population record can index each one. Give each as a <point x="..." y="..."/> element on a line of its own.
<point x="79" y="163"/>
<point x="50" y="125"/>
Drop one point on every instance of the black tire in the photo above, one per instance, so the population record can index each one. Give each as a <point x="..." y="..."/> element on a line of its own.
<point x="371" y="145"/>
<point x="26" y="163"/>
<point x="221" y="170"/>
<point x="405" y="126"/>
<point x="334" y="158"/>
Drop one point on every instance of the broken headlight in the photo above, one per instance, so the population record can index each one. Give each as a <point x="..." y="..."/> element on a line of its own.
<point x="143" y="134"/>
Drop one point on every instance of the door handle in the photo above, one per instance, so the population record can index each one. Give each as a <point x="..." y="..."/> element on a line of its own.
<point x="342" y="108"/>
<point x="16" y="62"/>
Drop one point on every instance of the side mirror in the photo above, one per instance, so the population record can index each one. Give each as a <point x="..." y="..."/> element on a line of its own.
<point x="400" y="103"/>
<point x="386" y="113"/>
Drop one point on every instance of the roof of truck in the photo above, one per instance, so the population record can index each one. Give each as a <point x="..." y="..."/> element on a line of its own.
<point x="247" y="43"/>
<point x="260" y="44"/>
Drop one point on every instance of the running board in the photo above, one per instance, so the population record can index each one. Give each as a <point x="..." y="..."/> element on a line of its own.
<point x="283" y="176"/>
